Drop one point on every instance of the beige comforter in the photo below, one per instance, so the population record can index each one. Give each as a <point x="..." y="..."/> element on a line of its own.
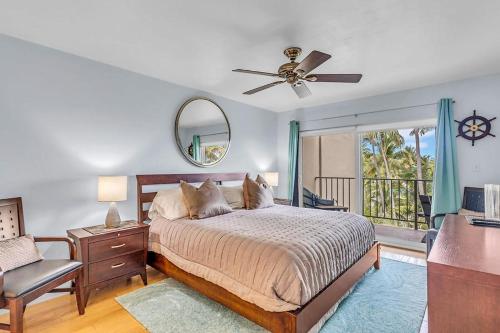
<point x="277" y="258"/>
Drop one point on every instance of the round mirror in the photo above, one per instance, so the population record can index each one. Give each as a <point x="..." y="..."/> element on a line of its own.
<point x="202" y="132"/>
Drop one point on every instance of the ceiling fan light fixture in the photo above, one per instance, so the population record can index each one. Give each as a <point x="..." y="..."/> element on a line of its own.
<point x="293" y="73"/>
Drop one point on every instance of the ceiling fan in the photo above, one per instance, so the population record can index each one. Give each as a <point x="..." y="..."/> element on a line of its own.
<point x="295" y="73"/>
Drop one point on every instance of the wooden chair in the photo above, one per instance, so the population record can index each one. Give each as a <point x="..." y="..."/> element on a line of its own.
<point x="22" y="285"/>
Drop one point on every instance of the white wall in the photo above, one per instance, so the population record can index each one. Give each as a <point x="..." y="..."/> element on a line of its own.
<point x="477" y="165"/>
<point x="65" y="120"/>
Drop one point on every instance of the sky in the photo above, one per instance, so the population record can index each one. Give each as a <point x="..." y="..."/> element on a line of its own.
<point x="427" y="142"/>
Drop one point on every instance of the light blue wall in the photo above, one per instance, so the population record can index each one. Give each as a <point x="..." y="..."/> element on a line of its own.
<point x="65" y="120"/>
<point x="477" y="165"/>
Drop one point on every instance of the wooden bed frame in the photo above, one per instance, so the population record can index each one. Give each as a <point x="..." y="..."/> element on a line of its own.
<point x="297" y="321"/>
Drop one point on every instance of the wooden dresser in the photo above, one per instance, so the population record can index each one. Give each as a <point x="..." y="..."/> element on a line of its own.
<point x="463" y="272"/>
<point x="111" y="256"/>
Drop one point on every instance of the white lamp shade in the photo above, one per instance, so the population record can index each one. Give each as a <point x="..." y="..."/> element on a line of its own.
<point x="271" y="178"/>
<point x="112" y="188"/>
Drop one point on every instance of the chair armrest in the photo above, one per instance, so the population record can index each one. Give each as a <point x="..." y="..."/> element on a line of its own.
<point x="71" y="243"/>
<point x="325" y="202"/>
<point x="433" y="217"/>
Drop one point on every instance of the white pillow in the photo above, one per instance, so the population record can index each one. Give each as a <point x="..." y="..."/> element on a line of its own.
<point x="168" y="204"/>
<point x="233" y="196"/>
<point x="17" y="252"/>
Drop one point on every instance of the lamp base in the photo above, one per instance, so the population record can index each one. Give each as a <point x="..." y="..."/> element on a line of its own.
<point x="113" y="219"/>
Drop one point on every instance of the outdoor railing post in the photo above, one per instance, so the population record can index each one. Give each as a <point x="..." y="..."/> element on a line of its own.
<point x="362" y="197"/>
<point x="415" y="203"/>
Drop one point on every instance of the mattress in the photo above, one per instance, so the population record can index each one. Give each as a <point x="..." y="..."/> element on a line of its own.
<point x="277" y="258"/>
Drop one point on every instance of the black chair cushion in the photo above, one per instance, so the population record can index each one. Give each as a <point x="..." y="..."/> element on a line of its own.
<point x="27" y="278"/>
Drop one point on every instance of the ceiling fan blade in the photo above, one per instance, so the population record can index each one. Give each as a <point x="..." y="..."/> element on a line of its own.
<point x="253" y="91"/>
<point x="301" y="89"/>
<point x="246" y="71"/>
<point x="313" y="60"/>
<point x="347" y="78"/>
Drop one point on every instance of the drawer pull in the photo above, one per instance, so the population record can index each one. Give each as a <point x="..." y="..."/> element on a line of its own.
<point x="118" y="265"/>
<point x="117" y="246"/>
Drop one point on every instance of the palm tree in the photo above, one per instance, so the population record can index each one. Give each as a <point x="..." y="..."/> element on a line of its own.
<point x="373" y="139"/>
<point x="390" y="143"/>
<point x="385" y="155"/>
<point x="417" y="132"/>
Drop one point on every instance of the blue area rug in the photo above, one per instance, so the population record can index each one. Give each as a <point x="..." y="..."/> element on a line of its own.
<point x="392" y="299"/>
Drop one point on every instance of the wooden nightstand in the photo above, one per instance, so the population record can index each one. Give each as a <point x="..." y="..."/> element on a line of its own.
<point x="110" y="256"/>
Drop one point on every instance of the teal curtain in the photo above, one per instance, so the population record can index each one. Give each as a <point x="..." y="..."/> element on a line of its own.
<point x="196" y="148"/>
<point x="293" y="151"/>
<point x="446" y="189"/>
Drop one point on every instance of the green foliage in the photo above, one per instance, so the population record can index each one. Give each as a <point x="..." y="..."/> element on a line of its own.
<point x="213" y="153"/>
<point x="394" y="175"/>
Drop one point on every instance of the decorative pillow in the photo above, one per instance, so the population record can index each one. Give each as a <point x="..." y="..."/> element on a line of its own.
<point x="169" y="204"/>
<point x="258" y="193"/>
<point x="17" y="252"/>
<point x="205" y="201"/>
<point x="234" y="196"/>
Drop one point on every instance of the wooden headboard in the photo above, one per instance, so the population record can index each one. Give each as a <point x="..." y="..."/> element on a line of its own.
<point x="147" y="197"/>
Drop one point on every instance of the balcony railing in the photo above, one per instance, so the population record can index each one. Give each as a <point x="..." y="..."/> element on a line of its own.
<point x="395" y="199"/>
<point x="336" y="188"/>
<point x="382" y="198"/>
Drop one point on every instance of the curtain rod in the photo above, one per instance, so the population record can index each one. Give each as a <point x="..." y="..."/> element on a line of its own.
<point x="355" y="115"/>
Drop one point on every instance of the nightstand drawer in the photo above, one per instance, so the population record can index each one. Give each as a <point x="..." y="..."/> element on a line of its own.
<point x="111" y="268"/>
<point x="113" y="247"/>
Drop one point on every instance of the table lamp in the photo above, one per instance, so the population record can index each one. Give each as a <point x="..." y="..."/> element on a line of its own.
<point x="271" y="178"/>
<point x="112" y="189"/>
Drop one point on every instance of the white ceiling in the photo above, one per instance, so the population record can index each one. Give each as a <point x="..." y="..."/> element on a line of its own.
<point x="396" y="44"/>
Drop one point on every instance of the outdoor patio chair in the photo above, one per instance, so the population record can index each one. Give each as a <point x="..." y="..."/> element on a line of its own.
<point x="426" y="203"/>
<point x="312" y="200"/>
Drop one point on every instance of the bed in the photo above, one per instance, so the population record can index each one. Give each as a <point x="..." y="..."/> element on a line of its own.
<point x="316" y="256"/>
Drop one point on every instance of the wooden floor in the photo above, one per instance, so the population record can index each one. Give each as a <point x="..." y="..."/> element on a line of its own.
<point x="103" y="313"/>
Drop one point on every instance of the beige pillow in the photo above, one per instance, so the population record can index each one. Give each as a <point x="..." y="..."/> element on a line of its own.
<point x="234" y="196"/>
<point x="169" y="204"/>
<point x="258" y="193"/>
<point x="17" y="252"/>
<point x="205" y="201"/>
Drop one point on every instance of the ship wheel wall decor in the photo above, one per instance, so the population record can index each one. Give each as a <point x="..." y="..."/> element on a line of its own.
<point x="475" y="127"/>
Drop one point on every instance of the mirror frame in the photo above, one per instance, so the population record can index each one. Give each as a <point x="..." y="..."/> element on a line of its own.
<point x="178" y="139"/>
